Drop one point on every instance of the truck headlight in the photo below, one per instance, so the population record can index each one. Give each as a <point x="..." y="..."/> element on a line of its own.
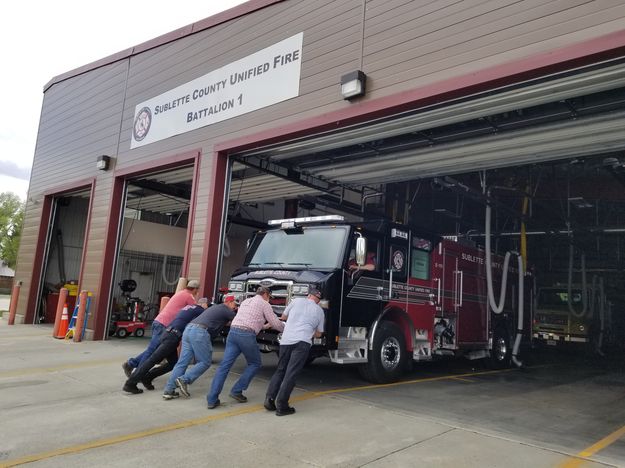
<point x="236" y="286"/>
<point x="299" y="289"/>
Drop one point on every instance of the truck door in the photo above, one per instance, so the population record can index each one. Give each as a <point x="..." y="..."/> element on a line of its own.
<point x="364" y="289"/>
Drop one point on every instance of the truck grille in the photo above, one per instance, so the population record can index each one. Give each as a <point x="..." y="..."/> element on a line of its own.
<point x="280" y="290"/>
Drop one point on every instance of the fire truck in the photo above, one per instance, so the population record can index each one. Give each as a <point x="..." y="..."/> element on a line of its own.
<point x="391" y="294"/>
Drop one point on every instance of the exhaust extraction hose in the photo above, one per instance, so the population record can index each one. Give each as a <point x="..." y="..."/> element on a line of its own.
<point x="498" y="307"/>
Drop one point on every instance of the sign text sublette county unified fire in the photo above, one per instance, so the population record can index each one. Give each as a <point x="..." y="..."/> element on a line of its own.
<point x="259" y="80"/>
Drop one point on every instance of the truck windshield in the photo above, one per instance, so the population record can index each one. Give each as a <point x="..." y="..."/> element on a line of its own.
<point x="558" y="298"/>
<point x="313" y="247"/>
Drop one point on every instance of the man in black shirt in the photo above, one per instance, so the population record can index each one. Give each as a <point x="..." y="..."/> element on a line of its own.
<point x="196" y="344"/>
<point x="167" y="349"/>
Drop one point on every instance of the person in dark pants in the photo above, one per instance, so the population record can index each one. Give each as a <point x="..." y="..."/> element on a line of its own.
<point x="304" y="320"/>
<point x="167" y="349"/>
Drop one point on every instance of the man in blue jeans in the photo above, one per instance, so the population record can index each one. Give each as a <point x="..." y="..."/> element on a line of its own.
<point x="196" y="344"/>
<point x="250" y="319"/>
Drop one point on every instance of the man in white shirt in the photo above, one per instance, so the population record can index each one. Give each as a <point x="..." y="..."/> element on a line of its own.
<point x="304" y="320"/>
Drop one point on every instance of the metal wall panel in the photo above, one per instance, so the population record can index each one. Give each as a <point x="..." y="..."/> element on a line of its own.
<point x="409" y="47"/>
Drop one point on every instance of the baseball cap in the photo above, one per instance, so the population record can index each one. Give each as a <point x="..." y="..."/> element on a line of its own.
<point x="230" y="298"/>
<point x="315" y="292"/>
<point x="193" y="284"/>
<point x="202" y="300"/>
<point x="263" y="290"/>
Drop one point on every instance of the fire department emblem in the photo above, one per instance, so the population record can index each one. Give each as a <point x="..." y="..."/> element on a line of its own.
<point x="142" y="124"/>
<point x="398" y="260"/>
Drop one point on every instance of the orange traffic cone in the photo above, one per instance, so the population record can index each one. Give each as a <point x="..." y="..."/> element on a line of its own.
<point x="64" y="323"/>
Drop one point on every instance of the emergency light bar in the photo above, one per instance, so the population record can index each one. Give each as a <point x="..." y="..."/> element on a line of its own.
<point x="308" y="219"/>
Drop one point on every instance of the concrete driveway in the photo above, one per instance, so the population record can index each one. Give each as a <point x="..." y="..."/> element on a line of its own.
<point x="62" y="405"/>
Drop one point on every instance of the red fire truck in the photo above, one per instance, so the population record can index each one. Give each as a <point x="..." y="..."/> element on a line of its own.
<point x="391" y="294"/>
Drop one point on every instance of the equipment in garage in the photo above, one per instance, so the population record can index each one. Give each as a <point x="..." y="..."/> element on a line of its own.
<point x="130" y="319"/>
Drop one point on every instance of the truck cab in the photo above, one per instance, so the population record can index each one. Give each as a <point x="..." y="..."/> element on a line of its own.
<point x="554" y="321"/>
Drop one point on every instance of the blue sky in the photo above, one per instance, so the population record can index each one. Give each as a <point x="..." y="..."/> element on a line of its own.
<point x="42" y="39"/>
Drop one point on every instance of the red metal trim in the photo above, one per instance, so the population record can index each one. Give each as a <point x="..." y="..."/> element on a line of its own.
<point x="157" y="165"/>
<point x="584" y="53"/>
<point x="208" y="279"/>
<point x="44" y="222"/>
<point x="191" y="222"/>
<point x="102" y="294"/>
<point x="224" y="16"/>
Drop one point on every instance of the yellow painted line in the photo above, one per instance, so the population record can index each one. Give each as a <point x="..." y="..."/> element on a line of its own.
<point x="199" y="421"/>
<point x="407" y="382"/>
<point x="128" y="437"/>
<point x="463" y="380"/>
<point x="594" y="448"/>
<point x="46" y="370"/>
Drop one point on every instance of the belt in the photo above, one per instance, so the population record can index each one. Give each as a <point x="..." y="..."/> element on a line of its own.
<point x="246" y="329"/>
<point x="175" y="331"/>
<point x="201" y="325"/>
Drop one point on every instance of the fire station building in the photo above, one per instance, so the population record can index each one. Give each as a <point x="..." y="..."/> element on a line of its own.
<point x="159" y="162"/>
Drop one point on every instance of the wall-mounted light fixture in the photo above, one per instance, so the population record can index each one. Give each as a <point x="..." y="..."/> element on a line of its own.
<point x="353" y="84"/>
<point x="103" y="163"/>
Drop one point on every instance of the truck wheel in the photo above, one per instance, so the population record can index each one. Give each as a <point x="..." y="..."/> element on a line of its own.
<point x="501" y="351"/>
<point x="388" y="356"/>
<point x="139" y="332"/>
<point x="121" y="333"/>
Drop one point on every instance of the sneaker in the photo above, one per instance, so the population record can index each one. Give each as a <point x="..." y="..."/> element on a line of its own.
<point x="171" y="395"/>
<point x="130" y="388"/>
<point x="147" y="384"/>
<point x="127" y="369"/>
<point x="270" y="404"/>
<point x="182" y="385"/>
<point x="239" y="397"/>
<point x="285" y="412"/>
<point x="214" y="405"/>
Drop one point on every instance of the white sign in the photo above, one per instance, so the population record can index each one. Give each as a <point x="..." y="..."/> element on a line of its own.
<point x="259" y="80"/>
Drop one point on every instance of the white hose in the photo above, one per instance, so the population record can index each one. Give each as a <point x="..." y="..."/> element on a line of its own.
<point x="168" y="283"/>
<point x="570" y="282"/>
<point x="226" y="248"/>
<point x="498" y="308"/>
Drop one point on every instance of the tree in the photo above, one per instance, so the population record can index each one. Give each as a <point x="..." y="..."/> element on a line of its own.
<point x="11" y="219"/>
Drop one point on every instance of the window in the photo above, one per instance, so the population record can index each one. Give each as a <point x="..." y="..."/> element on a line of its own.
<point x="420" y="264"/>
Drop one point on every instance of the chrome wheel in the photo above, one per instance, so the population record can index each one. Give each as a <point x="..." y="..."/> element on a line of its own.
<point x="390" y="353"/>
<point x="500" y="349"/>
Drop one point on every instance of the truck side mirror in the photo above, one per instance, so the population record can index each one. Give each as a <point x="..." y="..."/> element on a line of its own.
<point x="361" y="251"/>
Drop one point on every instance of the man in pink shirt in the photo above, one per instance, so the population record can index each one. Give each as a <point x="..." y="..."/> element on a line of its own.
<point x="250" y="319"/>
<point x="179" y="300"/>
